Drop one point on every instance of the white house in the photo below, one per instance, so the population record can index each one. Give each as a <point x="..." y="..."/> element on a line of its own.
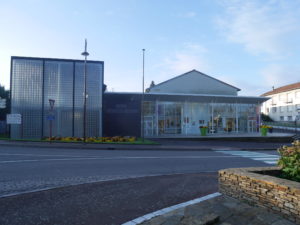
<point x="284" y="103"/>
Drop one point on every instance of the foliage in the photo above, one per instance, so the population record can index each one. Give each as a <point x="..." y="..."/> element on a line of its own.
<point x="266" y="118"/>
<point x="265" y="126"/>
<point x="4" y="94"/>
<point x="290" y="161"/>
<point x="93" y="139"/>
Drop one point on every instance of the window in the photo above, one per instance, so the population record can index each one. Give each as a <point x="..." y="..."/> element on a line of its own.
<point x="282" y="118"/>
<point x="290" y="118"/>
<point x="282" y="97"/>
<point x="281" y="108"/>
<point x="274" y="109"/>
<point x="290" y="108"/>
<point x="274" y="100"/>
<point x="290" y="97"/>
<point x="268" y="110"/>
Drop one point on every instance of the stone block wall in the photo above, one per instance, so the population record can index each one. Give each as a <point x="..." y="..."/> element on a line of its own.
<point x="276" y="194"/>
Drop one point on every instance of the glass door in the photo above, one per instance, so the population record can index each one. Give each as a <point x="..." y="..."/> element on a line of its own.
<point x="169" y="118"/>
<point x="251" y="126"/>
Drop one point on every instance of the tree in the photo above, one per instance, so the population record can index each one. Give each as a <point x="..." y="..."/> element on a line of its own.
<point x="266" y="118"/>
<point x="4" y="94"/>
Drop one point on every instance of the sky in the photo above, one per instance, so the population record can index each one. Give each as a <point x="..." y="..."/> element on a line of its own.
<point x="251" y="44"/>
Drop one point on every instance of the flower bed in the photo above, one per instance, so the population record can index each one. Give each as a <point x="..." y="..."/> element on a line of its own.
<point x="253" y="186"/>
<point x="91" y="140"/>
<point x="115" y="139"/>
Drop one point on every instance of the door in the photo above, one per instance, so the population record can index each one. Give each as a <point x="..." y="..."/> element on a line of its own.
<point x="251" y="126"/>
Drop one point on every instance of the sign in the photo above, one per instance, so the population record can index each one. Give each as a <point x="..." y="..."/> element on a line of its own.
<point x="2" y="103"/>
<point x="51" y="103"/>
<point x="13" y="119"/>
<point x="50" y="117"/>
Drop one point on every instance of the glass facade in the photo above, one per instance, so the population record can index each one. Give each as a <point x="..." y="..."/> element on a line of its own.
<point x="36" y="80"/>
<point x="185" y="118"/>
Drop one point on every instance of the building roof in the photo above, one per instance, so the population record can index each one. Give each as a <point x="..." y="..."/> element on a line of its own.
<point x="285" y="88"/>
<point x="195" y="97"/>
<point x="190" y="72"/>
<point x="55" y="59"/>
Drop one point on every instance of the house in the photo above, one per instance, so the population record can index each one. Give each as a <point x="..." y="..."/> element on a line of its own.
<point x="283" y="103"/>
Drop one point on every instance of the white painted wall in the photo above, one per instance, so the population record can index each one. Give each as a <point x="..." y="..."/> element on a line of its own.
<point x="194" y="83"/>
<point x="282" y="106"/>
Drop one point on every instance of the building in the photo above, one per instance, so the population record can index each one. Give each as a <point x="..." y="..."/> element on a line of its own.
<point x="283" y="103"/>
<point x="181" y="105"/>
<point x="36" y="80"/>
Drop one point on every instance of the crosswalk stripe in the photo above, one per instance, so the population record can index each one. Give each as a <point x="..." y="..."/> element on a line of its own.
<point x="266" y="158"/>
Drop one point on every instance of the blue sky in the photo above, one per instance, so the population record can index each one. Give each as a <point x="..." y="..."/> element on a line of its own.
<point x="253" y="44"/>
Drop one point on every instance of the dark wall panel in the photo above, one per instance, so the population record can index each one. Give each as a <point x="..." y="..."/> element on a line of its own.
<point x="121" y="114"/>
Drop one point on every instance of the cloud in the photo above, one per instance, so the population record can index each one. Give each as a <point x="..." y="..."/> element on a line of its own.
<point x="263" y="27"/>
<point x="280" y="75"/>
<point x="189" y="57"/>
<point x="182" y="62"/>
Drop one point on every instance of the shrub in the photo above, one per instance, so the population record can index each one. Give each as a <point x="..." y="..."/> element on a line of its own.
<point x="266" y="118"/>
<point x="290" y="161"/>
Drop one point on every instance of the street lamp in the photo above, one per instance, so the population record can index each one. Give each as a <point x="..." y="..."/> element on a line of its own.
<point x="143" y="95"/>
<point x="85" y="54"/>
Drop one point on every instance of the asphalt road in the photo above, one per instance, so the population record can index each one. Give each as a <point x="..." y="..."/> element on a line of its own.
<point x="30" y="169"/>
<point x="122" y="185"/>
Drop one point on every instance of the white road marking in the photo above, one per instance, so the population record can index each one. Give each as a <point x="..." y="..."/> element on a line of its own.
<point x="114" y="158"/>
<point x="258" y="156"/>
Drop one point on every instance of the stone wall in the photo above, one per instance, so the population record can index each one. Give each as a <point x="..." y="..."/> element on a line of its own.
<point x="276" y="194"/>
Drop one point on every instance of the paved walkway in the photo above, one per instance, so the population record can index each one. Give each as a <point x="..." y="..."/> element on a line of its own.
<point x="167" y="143"/>
<point x="220" y="210"/>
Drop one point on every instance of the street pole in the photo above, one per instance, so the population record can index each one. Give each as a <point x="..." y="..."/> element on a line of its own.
<point x="142" y="105"/>
<point x="85" y="54"/>
<point x="51" y="103"/>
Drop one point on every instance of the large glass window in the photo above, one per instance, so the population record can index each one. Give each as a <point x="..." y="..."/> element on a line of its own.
<point x="185" y="118"/>
<point x="35" y="81"/>
<point x="27" y="82"/>
<point x="58" y="85"/>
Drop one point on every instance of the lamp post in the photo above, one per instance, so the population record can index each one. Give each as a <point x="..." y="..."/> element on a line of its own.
<point x="143" y="88"/>
<point x="85" y="54"/>
<point x="51" y="117"/>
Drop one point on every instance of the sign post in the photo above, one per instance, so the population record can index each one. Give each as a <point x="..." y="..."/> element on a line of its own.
<point x="51" y="117"/>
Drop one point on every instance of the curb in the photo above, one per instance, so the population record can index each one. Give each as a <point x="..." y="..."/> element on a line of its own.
<point x="149" y="216"/>
<point x="129" y="147"/>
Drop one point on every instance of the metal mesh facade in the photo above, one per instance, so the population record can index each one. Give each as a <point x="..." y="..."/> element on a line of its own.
<point x="36" y="80"/>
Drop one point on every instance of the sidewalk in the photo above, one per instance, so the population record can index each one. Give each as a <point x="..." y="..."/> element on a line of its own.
<point x="189" y="143"/>
<point x="221" y="210"/>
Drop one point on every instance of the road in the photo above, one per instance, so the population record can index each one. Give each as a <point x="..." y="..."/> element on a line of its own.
<point x="162" y="178"/>
<point x="30" y="169"/>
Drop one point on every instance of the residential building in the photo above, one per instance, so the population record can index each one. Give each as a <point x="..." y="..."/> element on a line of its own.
<point x="283" y="103"/>
<point x="34" y="81"/>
